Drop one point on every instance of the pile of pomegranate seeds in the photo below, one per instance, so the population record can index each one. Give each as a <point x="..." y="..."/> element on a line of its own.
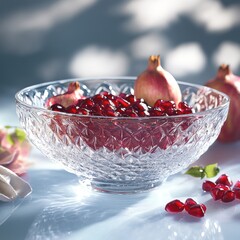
<point x="191" y="207"/>
<point x="107" y="104"/>
<point x="221" y="189"/>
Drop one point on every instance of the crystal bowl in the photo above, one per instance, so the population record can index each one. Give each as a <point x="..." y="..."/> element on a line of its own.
<point x="121" y="154"/>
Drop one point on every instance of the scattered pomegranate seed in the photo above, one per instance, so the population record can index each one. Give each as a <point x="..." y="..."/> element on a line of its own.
<point x="175" y="206"/>
<point x="228" y="196"/>
<point x="236" y="189"/>
<point x="191" y="207"/>
<point x="218" y="191"/>
<point x="189" y="203"/>
<point x="197" y="210"/>
<point x="225" y="180"/>
<point x="208" y="185"/>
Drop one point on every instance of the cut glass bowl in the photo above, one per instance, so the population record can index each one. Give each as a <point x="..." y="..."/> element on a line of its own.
<point x="121" y="154"/>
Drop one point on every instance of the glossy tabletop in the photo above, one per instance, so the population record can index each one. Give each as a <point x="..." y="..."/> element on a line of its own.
<point x="60" y="208"/>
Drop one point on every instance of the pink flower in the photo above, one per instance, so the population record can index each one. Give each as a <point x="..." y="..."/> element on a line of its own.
<point x="14" y="149"/>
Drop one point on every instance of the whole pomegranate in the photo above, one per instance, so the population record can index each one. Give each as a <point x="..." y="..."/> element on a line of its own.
<point x="71" y="97"/>
<point x="225" y="81"/>
<point x="156" y="83"/>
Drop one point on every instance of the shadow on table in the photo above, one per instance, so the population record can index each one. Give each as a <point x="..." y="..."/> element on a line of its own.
<point x="66" y="208"/>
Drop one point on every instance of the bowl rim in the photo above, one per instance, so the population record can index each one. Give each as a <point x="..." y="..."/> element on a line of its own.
<point x="36" y="108"/>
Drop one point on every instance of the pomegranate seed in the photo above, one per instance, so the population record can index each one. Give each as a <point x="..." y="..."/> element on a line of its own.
<point x="174" y="206"/>
<point x="168" y="104"/>
<point x="197" y="210"/>
<point x="122" y="95"/>
<point x="110" y="113"/>
<point x="105" y="93"/>
<point x="130" y="112"/>
<point x="203" y="207"/>
<point x="183" y="106"/>
<point x="228" y="196"/>
<point x="140" y="106"/>
<point x="236" y="189"/>
<point x="189" y="203"/>
<point x="218" y="191"/>
<point x="120" y="102"/>
<point x="57" y="108"/>
<point x="98" y="97"/>
<point x="208" y="185"/>
<point x="156" y="112"/>
<point x="171" y="111"/>
<point x="72" y="109"/>
<point x="130" y="98"/>
<point x="179" y="112"/>
<point x="225" y="180"/>
<point x="87" y="103"/>
<point x="83" y="111"/>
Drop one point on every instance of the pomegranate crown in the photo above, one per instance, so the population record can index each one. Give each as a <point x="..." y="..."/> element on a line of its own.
<point x="224" y="70"/>
<point x="154" y="61"/>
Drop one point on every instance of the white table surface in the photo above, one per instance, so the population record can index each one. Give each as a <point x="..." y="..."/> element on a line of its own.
<point x="59" y="208"/>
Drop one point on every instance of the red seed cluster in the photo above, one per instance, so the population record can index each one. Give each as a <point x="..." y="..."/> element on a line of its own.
<point x="222" y="189"/>
<point x="123" y="105"/>
<point x="190" y="206"/>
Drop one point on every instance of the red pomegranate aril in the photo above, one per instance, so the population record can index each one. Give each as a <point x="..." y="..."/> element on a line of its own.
<point x="185" y="108"/>
<point x="57" y="108"/>
<point x="228" y="196"/>
<point x="110" y="113"/>
<point x="72" y="109"/>
<point x="236" y="189"/>
<point x="179" y="112"/>
<point x="197" y="210"/>
<point x="156" y="112"/>
<point x="87" y="103"/>
<point x="171" y="111"/>
<point x="218" y="191"/>
<point x="225" y="180"/>
<point x="122" y="95"/>
<point x="164" y="104"/>
<point x="188" y="203"/>
<point x="130" y="98"/>
<point x="97" y="110"/>
<point x="140" y="106"/>
<point x="99" y="96"/>
<point x="174" y="206"/>
<point x="203" y="207"/>
<point x="83" y="111"/>
<point x="121" y="102"/>
<point x="105" y="93"/>
<point x="208" y="185"/>
<point x="130" y="112"/>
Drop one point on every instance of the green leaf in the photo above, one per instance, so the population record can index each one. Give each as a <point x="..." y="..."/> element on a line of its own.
<point x="211" y="170"/>
<point x="196" y="171"/>
<point x="20" y="134"/>
<point x="17" y="136"/>
<point x="10" y="139"/>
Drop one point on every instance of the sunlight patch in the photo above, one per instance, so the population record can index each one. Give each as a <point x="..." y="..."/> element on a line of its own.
<point x="185" y="59"/>
<point x="151" y="44"/>
<point x="95" y="61"/>
<point x="215" y="17"/>
<point x="228" y="53"/>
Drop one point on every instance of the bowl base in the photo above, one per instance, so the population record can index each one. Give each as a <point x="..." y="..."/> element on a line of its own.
<point x="120" y="187"/>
